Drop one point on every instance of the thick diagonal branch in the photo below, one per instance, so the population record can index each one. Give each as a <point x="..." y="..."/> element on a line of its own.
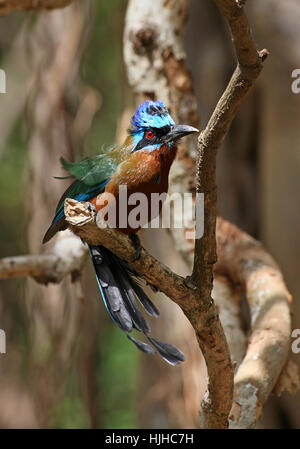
<point x="203" y="317"/>
<point x="241" y="258"/>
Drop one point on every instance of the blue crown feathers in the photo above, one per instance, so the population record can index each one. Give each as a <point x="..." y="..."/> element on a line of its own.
<point x="151" y="114"/>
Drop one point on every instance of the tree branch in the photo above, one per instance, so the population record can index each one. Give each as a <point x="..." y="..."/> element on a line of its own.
<point x="247" y="264"/>
<point x="7" y="6"/>
<point x="248" y="68"/>
<point x="244" y="260"/>
<point x="203" y="316"/>
<point x="150" y="37"/>
<point x="84" y="222"/>
<point x="67" y="256"/>
<point x="159" y="37"/>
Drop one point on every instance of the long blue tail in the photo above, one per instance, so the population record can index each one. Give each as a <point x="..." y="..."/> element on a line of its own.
<point x="120" y="290"/>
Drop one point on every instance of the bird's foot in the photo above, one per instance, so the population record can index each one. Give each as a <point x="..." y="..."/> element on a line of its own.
<point x="137" y="245"/>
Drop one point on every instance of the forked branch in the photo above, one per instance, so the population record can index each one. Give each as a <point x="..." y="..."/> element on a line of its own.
<point x="217" y="403"/>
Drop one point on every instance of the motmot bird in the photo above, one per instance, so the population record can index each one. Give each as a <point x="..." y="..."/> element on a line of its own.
<point x="142" y="164"/>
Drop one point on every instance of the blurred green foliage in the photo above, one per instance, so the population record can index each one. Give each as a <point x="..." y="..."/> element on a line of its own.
<point x="103" y="68"/>
<point x="13" y="166"/>
<point x="118" y="381"/>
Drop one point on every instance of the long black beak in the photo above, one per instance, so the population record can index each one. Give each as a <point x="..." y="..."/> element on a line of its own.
<point x="178" y="131"/>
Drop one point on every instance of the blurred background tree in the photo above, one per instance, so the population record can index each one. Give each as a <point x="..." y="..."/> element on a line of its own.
<point x="66" y="365"/>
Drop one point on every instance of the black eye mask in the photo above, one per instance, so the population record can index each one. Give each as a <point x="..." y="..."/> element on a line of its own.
<point x="159" y="133"/>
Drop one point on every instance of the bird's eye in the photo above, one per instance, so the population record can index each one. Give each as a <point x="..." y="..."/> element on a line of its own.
<point x="149" y="134"/>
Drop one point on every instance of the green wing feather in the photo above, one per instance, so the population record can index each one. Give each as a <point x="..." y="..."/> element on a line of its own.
<point x="92" y="171"/>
